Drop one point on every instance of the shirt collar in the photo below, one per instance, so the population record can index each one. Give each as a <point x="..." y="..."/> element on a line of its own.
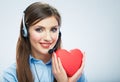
<point x="32" y="59"/>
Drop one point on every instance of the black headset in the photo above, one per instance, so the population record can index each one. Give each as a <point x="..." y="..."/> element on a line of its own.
<point x="56" y="45"/>
<point x="25" y="35"/>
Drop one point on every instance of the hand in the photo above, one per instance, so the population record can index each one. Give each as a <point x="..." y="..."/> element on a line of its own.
<point x="78" y="74"/>
<point x="58" y="69"/>
<point x="60" y="73"/>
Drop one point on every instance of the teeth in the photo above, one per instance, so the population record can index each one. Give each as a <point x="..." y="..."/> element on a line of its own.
<point x="46" y="45"/>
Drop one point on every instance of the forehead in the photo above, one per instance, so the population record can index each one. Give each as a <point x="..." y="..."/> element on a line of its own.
<point x="47" y="22"/>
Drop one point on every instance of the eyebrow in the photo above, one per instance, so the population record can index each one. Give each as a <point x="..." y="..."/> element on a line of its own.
<point x="56" y="26"/>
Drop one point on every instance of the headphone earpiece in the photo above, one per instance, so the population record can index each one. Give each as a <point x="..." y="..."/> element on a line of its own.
<point x="24" y="29"/>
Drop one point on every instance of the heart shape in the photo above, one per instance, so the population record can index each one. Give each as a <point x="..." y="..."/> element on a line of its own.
<point x="71" y="60"/>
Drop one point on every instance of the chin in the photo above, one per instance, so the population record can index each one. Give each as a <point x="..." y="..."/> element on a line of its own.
<point x="44" y="52"/>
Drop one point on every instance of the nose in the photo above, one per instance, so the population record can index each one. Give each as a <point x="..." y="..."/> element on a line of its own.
<point x="48" y="36"/>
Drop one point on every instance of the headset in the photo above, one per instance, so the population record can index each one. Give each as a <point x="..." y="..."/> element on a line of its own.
<point x="25" y="35"/>
<point x="56" y="45"/>
<point x="24" y="29"/>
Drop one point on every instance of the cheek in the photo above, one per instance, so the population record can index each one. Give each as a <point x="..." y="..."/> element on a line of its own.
<point x="34" y="37"/>
<point x="55" y="37"/>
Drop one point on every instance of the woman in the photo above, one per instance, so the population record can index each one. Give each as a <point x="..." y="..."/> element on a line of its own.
<point x="39" y="33"/>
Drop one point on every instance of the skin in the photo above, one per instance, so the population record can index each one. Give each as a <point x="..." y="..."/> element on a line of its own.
<point x="43" y="36"/>
<point x="60" y="73"/>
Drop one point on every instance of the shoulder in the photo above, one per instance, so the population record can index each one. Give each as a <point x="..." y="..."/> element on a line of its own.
<point x="82" y="78"/>
<point x="9" y="74"/>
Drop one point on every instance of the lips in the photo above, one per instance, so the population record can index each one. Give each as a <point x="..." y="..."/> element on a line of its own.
<point x="45" y="45"/>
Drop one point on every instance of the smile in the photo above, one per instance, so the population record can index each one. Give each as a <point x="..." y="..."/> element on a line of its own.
<point x="45" y="45"/>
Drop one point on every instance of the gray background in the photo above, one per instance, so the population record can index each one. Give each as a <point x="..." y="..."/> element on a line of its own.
<point x="90" y="25"/>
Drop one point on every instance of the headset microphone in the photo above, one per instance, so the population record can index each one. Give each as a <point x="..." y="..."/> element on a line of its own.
<point x="56" y="45"/>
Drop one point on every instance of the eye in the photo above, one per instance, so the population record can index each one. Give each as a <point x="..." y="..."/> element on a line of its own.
<point x="54" y="29"/>
<point x="39" y="29"/>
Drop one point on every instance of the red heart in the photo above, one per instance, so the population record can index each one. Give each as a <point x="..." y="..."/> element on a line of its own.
<point x="71" y="60"/>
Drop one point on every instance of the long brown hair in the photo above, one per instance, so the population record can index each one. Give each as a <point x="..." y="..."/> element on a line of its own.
<point x="33" y="14"/>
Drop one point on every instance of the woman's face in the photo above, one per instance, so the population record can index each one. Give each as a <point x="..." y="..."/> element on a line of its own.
<point x="43" y="35"/>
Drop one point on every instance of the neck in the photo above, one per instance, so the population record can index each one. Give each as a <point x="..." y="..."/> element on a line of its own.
<point x="44" y="57"/>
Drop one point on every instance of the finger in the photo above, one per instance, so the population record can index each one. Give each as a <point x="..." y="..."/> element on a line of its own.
<point x="83" y="59"/>
<point x="80" y="70"/>
<point x="83" y="64"/>
<point x="53" y="63"/>
<point x="56" y="62"/>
